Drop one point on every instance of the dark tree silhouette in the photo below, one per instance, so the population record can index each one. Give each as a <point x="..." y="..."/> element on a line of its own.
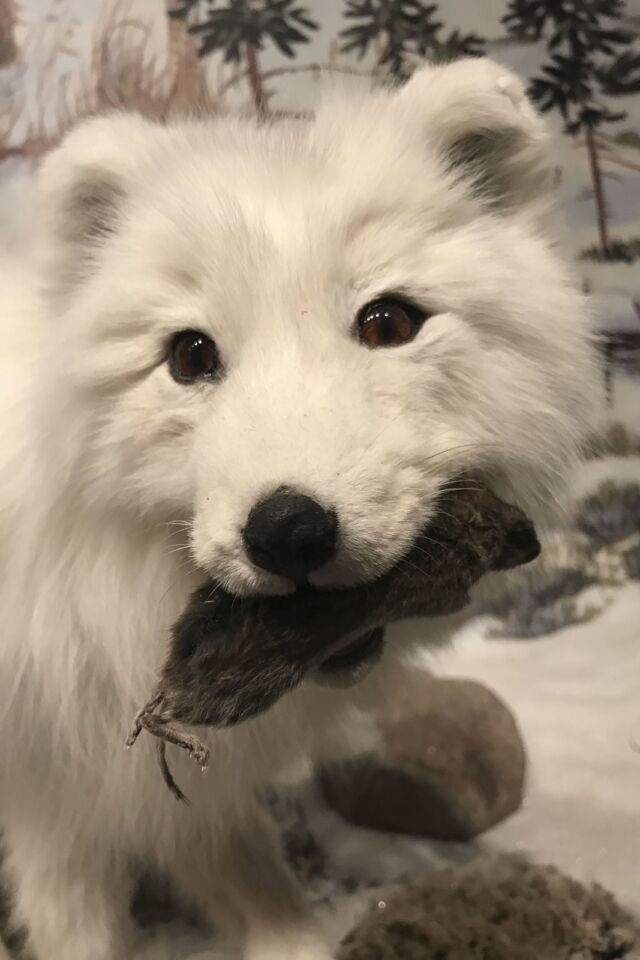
<point x="240" y="29"/>
<point x="183" y="9"/>
<point x="400" y="29"/>
<point x="590" y="59"/>
<point x="8" y="45"/>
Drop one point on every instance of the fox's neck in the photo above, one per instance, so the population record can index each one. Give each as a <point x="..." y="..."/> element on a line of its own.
<point x="107" y="588"/>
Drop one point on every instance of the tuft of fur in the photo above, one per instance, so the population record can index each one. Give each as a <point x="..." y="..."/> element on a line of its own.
<point x="121" y="490"/>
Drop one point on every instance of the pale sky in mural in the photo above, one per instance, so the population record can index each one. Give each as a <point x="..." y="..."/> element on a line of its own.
<point x="476" y="14"/>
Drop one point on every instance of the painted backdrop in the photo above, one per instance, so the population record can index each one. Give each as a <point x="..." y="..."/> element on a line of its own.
<point x="61" y="60"/>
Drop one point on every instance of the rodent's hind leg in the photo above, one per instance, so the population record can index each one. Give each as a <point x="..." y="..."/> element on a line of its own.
<point x="166" y="730"/>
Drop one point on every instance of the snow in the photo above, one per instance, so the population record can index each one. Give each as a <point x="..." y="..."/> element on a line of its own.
<point x="575" y="695"/>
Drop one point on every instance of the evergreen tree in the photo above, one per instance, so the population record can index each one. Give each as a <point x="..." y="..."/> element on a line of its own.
<point x="400" y="29"/>
<point x="240" y="29"/>
<point x="184" y="9"/>
<point x="590" y="59"/>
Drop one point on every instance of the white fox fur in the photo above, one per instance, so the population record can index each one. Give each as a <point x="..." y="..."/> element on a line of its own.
<point x="120" y="488"/>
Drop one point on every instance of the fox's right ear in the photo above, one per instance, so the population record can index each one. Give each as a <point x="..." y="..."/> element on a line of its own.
<point x="84" y="185"/>
<point x="475" y="115"/>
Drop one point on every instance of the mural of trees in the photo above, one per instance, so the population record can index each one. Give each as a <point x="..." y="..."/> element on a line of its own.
<point x="399" y="30"/>
<point x="591" y="60"/>
<point x="240" y="30"/>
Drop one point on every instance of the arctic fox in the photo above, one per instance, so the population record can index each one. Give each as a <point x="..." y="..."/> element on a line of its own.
<point x="322" y="321"/>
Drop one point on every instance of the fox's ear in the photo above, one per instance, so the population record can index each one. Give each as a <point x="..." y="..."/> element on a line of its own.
<point x="477" y="117"/>
<point x="84" y="185"/>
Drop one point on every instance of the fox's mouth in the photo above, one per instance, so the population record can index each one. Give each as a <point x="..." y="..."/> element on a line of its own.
<point x="353" y="662"/>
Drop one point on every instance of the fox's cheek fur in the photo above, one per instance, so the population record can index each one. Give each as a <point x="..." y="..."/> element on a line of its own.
<point x="121" y="488"/>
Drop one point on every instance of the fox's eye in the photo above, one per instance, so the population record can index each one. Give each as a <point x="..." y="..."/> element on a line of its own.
<point x="388" y="323"/>
<point x="193" y="356"/>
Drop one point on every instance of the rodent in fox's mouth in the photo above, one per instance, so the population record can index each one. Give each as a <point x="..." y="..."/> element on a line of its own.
<point x="352" y="663"/>
<point x="232" y="660"/>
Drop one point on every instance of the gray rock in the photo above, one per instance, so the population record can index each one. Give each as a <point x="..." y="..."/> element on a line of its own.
<point x="452" y="765"/>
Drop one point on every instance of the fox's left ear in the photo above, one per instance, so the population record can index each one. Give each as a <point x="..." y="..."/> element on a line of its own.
<point x="476" y="115"/>
<point x="85" y="186"/>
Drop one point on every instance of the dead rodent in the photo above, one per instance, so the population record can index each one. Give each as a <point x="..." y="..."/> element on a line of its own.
<point x="231" y="659"/>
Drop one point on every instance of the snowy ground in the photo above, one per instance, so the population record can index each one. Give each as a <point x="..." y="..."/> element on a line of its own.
<point x="577" y="699"/>
<point x="576" y="694"/>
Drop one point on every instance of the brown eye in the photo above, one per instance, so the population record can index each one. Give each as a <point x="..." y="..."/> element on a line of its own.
<point x="388" y="323"/>
<point x="193" y="356"/>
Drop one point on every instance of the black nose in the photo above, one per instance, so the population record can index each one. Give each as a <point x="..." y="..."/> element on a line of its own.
<point x="290" y="534"/>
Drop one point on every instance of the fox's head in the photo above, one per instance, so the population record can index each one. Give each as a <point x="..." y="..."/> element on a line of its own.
<point x="291" y="336"/>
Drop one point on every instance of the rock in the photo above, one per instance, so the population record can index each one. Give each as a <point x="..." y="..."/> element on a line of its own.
<point x="452" y="764"/>
<point x="500" y="908"/>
